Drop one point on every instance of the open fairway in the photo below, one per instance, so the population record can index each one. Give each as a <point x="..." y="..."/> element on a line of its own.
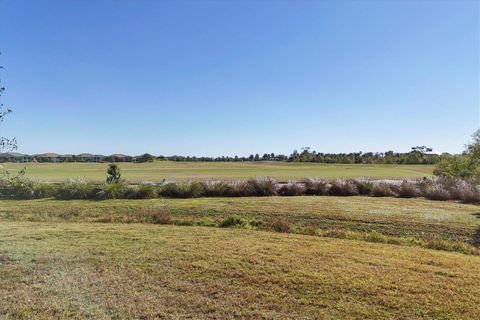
<point x="77" y="270"/>
<point x="159" y="170"/>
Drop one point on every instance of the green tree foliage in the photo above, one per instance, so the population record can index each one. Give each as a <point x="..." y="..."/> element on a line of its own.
<point x="466" y="165"/>
<point x="113" y="173"/>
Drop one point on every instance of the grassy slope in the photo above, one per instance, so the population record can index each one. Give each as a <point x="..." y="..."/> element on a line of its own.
<point x="143" y="271"/>
<point x="159" y="170"/>
<point x="404" y="221"/>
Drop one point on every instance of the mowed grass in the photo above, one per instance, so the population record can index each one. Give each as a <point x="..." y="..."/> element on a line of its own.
<point x="414" y="222"/>
<point x="140" y="271"/>
<point x="159" y="170"/>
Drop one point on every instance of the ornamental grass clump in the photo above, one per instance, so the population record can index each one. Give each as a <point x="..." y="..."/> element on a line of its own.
<point x="188" y="189"/>
<point x="292" y="188"/>
<point x="78" y="188"/>
<point x="408" y="190"/>
<point x="316" y="186"/>
<point x="437" y="191"/>
<point x="262" y="187"/>
<point x="343" y="188"/>
<point x="383" y="189"/>
<point x="142" y="191"/>
<point x="215" y="189"/>
<point x="364" y="187"/>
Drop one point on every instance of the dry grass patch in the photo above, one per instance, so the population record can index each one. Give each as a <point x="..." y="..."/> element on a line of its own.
<point x="100" y="271"/>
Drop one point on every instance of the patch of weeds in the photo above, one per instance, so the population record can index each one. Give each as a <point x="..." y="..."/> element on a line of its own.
<point x="161" y="218"/>
<point x="281" y="225"/>
<point x="233" y="221"/>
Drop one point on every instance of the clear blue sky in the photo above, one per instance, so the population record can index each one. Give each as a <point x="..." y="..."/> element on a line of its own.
<point x="239" y="77"/>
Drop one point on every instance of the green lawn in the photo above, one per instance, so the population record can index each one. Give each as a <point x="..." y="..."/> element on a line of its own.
<point x="159" y="170"/>
<point x="138" y="271"/>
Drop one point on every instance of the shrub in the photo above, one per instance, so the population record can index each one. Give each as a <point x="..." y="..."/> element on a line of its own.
<point x="343" y="188"/>
<point x="76" y="189"/>
<point x="281" y="225"/>
<point x="437" y="192"/>
<point x="20" y="189"/>
<point x="383" y="189"/>
<point x="408" y="190"/>
<point x="262" y="187"/>
<point x="216" y="188"/>
<point x="318" y="187"/>
<point x="182" y="190"/>
<point x="232" y="221"/>
<point x="292" y="188"/>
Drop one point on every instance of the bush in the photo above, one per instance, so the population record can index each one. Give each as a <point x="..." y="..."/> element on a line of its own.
<point x="232" y="221"/>
<point x="262" y="187"/>
<point x="216" y="188"/>
<point x="292" y="188"/>
<point x="20" y="187"/>
<point x="343" y="188"/>
<point x="437" y="192"/>
<point x="182" y="190"/>
<point x="76" y="189"/>
<point x="408" y="190"/>
<point x="383" y="189"/>
<point x="317" y="187"/>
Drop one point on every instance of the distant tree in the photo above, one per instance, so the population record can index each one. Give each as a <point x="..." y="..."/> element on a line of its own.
<point x="466" y="165"/>
<point x="113" y="173"/>
<point x="257" y="157"/>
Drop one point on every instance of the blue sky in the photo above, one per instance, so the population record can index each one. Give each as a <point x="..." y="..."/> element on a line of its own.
<point x="239" y="77"/>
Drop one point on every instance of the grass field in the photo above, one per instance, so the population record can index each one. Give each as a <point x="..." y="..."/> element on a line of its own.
<point x="159" y="170"/>
<point x="403" y="221"/>
<point x="104" y="271"/>
<point x="333" y="258"/>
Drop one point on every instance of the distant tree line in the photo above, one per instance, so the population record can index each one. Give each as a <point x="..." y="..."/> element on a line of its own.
<point x="418" y="155"/>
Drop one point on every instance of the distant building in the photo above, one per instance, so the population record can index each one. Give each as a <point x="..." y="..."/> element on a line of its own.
<point x="88" y="157"/>
<point x="57" y="158"/>
<point x="118" y="157"/>
<point x="47" y="157"/>
<point x="66" y="158"/>
<point x="15" y="157"/>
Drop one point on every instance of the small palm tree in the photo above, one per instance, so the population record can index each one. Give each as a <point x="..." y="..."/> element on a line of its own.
<point x="113" y="173"/>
